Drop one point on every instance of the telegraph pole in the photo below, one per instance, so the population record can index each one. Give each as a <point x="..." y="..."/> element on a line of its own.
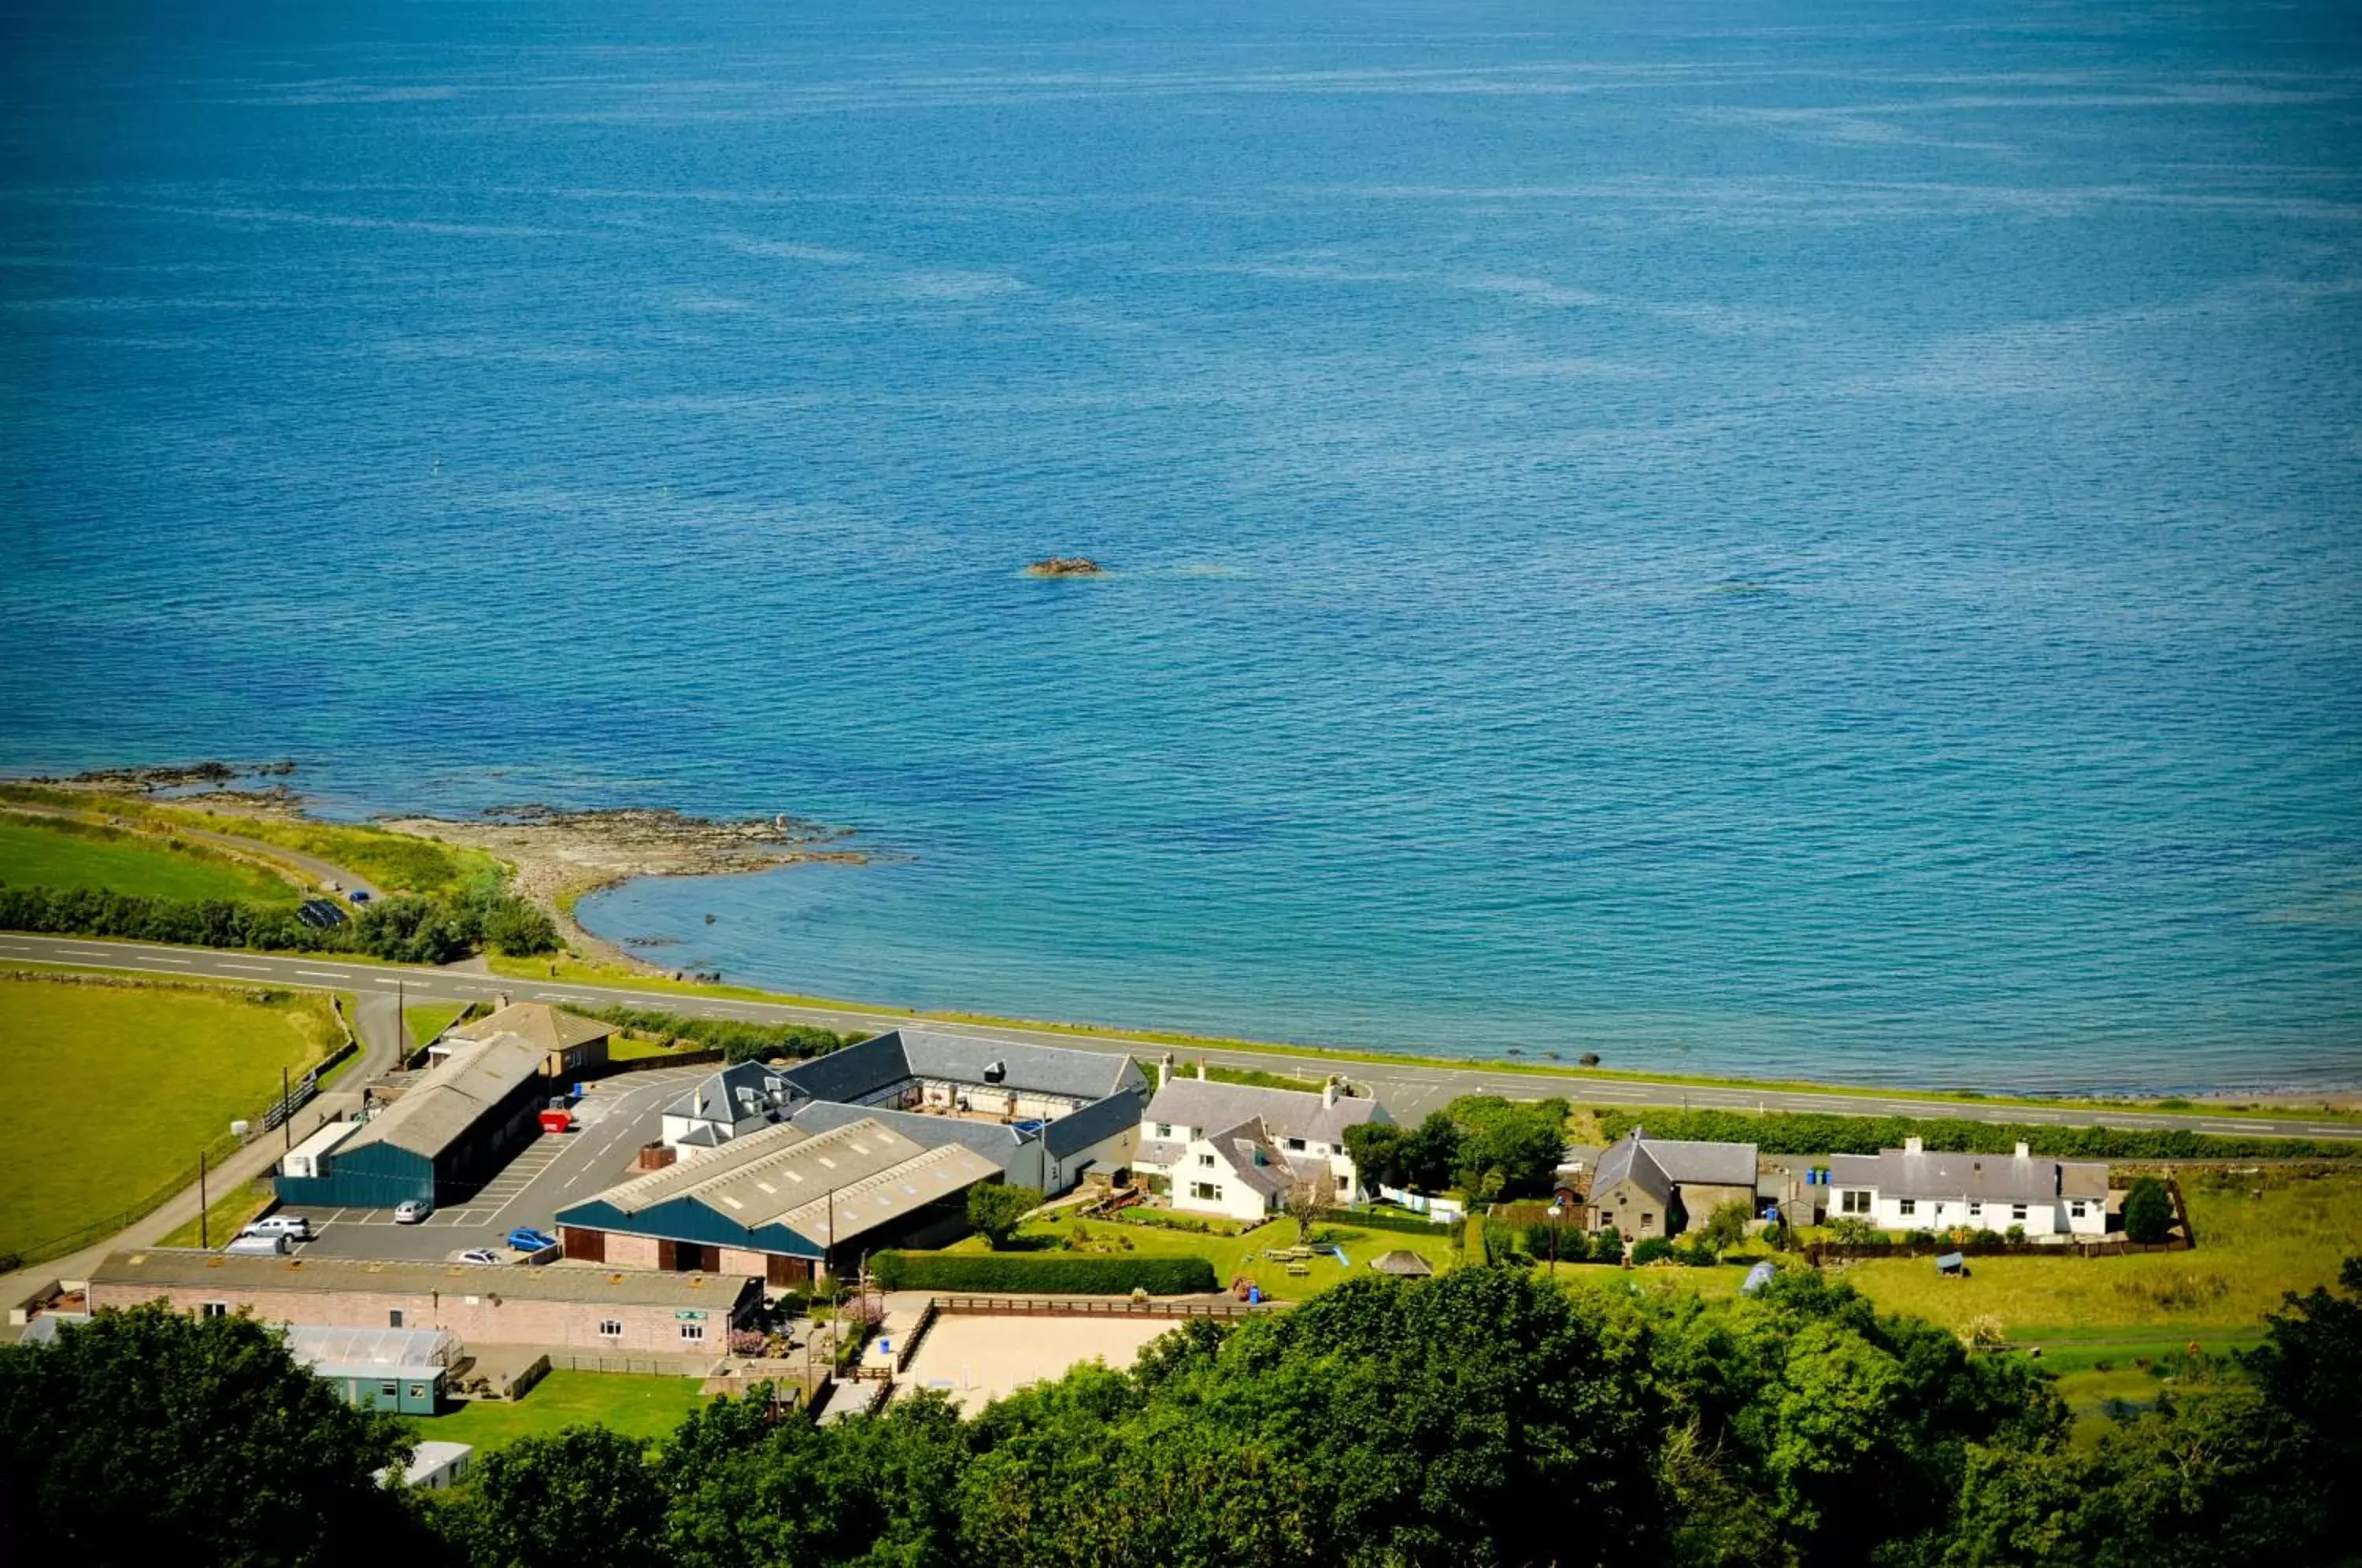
<point x="286" y="1111"/>
<point x="204" y="1240"/>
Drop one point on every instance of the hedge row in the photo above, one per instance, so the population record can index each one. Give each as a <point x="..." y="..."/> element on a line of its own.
<point x="409" y="928"/>
<point x="1817" y="1133"/>
<point x="737" y="1040"/>
<point x="1390" y="1219"/>
<point x="1023" y="1274"/>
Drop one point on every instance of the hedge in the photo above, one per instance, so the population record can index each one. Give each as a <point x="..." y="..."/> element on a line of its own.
<point x="1024" y="1274"/>
<point x="737" y="1040"/>
<point x="408" y="928"/>
<point x="1817" y="1133"/>
<point x="1388" y="1220"/>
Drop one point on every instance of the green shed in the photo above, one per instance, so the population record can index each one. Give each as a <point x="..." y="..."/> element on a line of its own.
<point x="391" y="1369"/>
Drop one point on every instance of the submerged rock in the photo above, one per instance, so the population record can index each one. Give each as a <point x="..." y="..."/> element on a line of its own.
<point x="1066" y="566"/>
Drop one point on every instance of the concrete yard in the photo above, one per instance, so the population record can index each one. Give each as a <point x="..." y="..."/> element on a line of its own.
<point x="979" y="1358"/>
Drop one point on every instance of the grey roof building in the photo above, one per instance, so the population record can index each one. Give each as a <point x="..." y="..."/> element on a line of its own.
<point x="1655" y="1187"/>
<point x="1981" y="1178"/>
<point x="1194" y="1106"/>
<point x="884" y="1064"/>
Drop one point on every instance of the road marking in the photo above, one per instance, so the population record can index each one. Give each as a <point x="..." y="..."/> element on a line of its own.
<point x="248" y="969"/>
<point x="321" y="974"/>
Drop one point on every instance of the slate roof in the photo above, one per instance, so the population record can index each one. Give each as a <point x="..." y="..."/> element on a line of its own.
<point x="1238" y="1145"/>
<point x="1657" y="1166"/>
<point x="439" y="1110"/>
<point x="876" y="1065"/>
<point x="552" y="1029"/>
<point x="188" y="1268"/>
<point x="1159" y="1151"/>
<point x="1203" y="1103"/>
<point x="746" y="1088"/>
<point x="1982" y="1179"/>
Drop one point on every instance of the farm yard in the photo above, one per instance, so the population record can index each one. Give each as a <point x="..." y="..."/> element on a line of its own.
<point x="119" y="1084"/>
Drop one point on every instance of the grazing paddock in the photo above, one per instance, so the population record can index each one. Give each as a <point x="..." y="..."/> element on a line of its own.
<point x="117" y="1085"/>
<point x="37" y="852"/>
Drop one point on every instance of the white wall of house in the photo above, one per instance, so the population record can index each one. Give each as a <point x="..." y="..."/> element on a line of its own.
<point x="1204" y="1183"/>
<point x="1345" y="1181"/>
<point x="2052" y="1217"/>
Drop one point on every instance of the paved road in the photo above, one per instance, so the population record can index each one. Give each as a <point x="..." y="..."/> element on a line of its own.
<point x="1408" y="1092"/>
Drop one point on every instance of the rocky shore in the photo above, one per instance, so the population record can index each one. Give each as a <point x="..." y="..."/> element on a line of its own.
<point x="562" y="853"/>
<point x="1066" y="566"/>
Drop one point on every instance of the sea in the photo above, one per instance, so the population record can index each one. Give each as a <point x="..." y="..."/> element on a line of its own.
<point x="1819" y="539"/>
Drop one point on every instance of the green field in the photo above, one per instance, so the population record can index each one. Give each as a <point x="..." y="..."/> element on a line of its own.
<point x="226" y="1213"/>
<point x="108" y="1090"/>
<point x="635" y="1406"/>
<point x="426" y="1021"/>
<point x="38" y="853"/>
<point x="2251" y="1249"/>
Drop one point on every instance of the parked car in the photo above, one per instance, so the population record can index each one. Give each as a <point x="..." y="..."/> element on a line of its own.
<point x="412" y="1212"/>
<point x="252" y="1246"/>
<point x="294" y="1227"/>
<point x="359" y="895"/>
<point x="525" y="1239"/>
<point x="480" y="1255"/>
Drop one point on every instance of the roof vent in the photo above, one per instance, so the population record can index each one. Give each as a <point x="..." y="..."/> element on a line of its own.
<point x="994" y="1071"/>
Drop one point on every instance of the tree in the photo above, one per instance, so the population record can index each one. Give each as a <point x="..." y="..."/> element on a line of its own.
<point x="1726" y="1226"/>
<point x="1310" y="1198"/>
<point x="585" y="1498"/>
<point x="1376" y="1151"/>
<point x="1430" y="1155"/>
<point x="2148" y="1211"/>
<point x="1506" y="1147"/>
<point x="147" y="1434"/>
<point x="995" y="1208"/>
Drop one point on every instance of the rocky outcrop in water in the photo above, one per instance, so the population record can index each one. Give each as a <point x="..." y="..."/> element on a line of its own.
<point x="1066" y="566"/>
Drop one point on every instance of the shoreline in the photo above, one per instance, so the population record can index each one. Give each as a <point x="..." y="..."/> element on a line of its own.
<point x="557" y="856"/>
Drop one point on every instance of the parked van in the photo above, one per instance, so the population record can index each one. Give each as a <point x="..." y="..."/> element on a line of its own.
<point x="253" y="1246"/>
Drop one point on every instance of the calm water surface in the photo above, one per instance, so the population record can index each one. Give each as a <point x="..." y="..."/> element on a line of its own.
<point x="1804" y="538"/>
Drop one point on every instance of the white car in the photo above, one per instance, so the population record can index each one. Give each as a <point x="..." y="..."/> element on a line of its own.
<point x="294" y="1227"/>
<point x="412" y="1212"/>
<point x="480" y="1255"/>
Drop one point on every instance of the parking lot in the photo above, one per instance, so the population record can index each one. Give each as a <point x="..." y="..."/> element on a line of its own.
<point x="615" y="1117"/>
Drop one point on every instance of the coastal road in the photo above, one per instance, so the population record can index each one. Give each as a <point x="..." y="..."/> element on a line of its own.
<point x="1409" y="1091"/>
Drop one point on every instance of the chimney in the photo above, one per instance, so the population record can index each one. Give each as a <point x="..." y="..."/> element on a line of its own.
<point x="1912" y="1146"/>
<point x="1201" y="1069"/>
<point x="1165" y="1069"/>
<point x="1328" y="1092"/>
<point x="2024" y="1153"/>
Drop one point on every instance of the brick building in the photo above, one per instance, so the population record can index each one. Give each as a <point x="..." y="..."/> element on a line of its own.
<point x="595" y="1310"/>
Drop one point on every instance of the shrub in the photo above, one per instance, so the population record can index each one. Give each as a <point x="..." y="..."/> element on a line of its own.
<point x="737" y="1041"/>
<point x="1034" y="1274"/>
<point x="2015" y="1232"/>
<point x="2148" y="1211"/>
<point x="995" y="1210"/>
<point x="1649" y="1248"/>
<point x="1852" y="1231"/>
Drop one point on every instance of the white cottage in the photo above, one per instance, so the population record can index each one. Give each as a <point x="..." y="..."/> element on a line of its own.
<point x="1235" y="1149"/>
<point x="1910" y="1189"/>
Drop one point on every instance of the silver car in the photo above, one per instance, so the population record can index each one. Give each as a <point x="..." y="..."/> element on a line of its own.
<point x="412" y="1212"/>
<point x="294" y="1227"/>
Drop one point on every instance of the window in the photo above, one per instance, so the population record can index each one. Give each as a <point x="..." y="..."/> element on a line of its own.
<point x="418" y="1391"/>
<point x="1647" y="1220"/>
<point x="389" y="1390"/>
<point x="2017" y="1211"/>
<point x="692" y="1331"/>
<point x="1976" y="1211"/>
<point x="1206" y="1190"/>
<point x="1205" y="1159"/>
<point x="2075" y="1210"/>
<point x="1907" y="1207"/>
<point x="1164" y="1129"/>
<point x="1344" y="1184"/>
<point x="611" y="1328"/>
<point x="215" y="1309"/>
<point x="393" y="1318"/>
<point x="1295" y="1143"/>
<point x="1856" y="1202"/>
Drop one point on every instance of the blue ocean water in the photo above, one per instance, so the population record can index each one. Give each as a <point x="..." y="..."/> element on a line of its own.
<point x="1801" y="539"/>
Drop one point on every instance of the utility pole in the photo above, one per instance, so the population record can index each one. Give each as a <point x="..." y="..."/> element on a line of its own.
<point x="204" y="1240"/>
<point x="286" y="1111"/>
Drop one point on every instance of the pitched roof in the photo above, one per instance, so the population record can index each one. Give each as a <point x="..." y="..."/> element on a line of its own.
<point x="1657" y="1166"/>
<point x="836" y="1183"/>
<point x="1254" y="1156"/>
<point x="995" y="1141"/>
<point x="187" y="1268"/>
<point x="873" y="1066"/>
<point x="736" y="1092"/>
<point x="1983" y="1178"/>
<point x="552" y="1029"/>
<point x="1203" y="1103"/>
<point x="439" y="1110"/>
<point x="367" y="1352"/>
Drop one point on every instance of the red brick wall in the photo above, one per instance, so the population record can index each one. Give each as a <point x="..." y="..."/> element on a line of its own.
<point x="484" y="1318"/>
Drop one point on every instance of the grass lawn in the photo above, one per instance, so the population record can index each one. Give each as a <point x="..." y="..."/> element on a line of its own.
<point x="38" y="853"/>
<point x="111" y="1089"/>
<point x="228" y="1214"/>
<point x="2250" y="1249"/>
<point x="425" y="1022"/>
<point x="1234" y="1256"/>
<point x="637" y="1405"/>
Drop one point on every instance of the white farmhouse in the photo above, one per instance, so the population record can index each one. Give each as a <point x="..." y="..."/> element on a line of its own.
<point x="1910" y="1189"/>
<point x="1236" y="1150"/>
<point x="729" y="1104"/>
